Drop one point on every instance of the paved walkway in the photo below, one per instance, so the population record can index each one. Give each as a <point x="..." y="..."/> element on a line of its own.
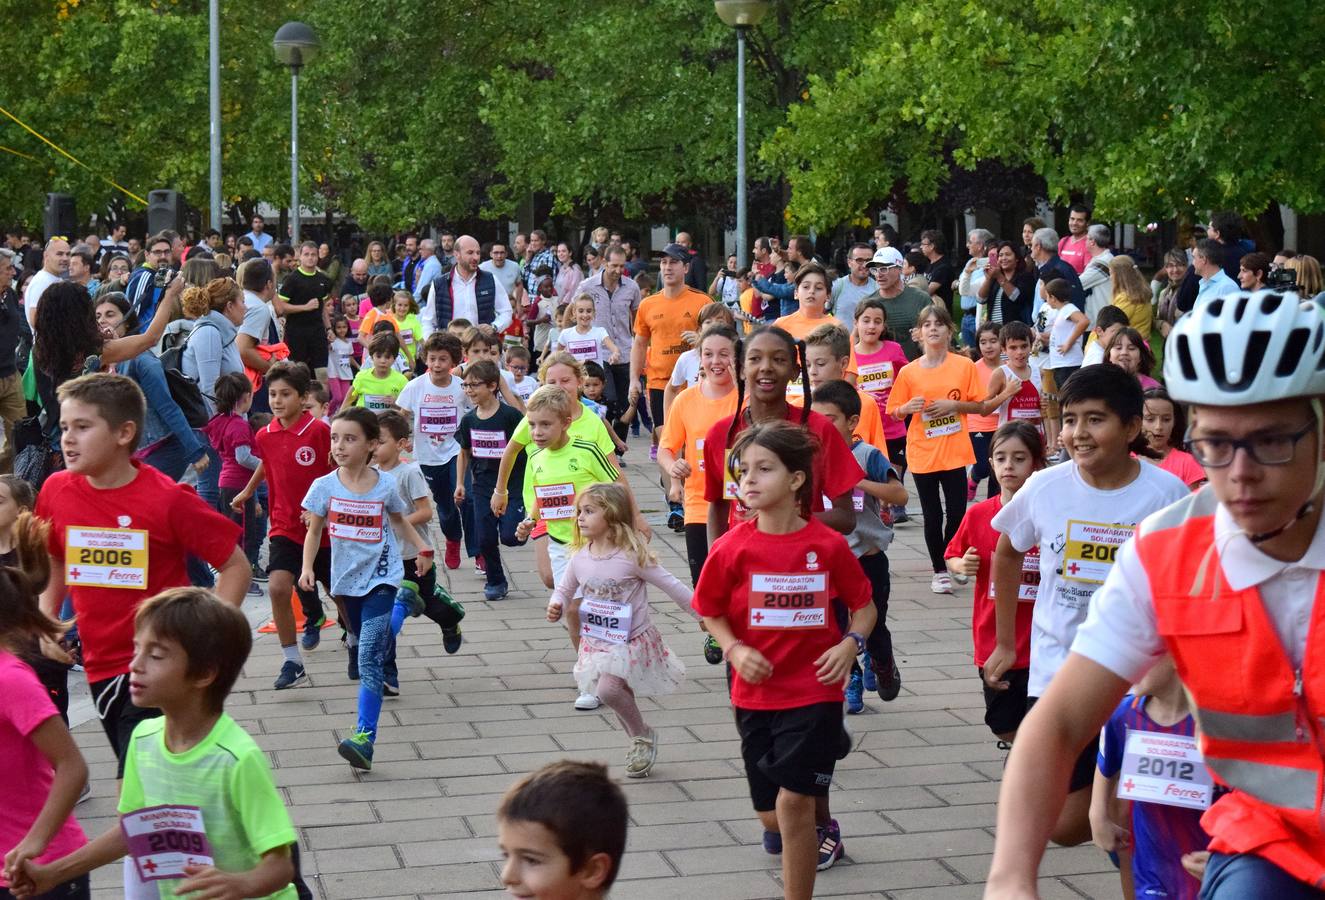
<point x="915" y="800"/>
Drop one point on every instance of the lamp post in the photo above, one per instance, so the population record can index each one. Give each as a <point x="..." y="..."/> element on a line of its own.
<point x="214" y="109"/>
<point x="295" y="45"/>
<point x="741" y="15"/>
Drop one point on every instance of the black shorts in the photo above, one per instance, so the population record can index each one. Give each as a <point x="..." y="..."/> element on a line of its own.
<point x="656" y="408"/>
<point x="1004" y="710"/>
<point x="285" y="555"/>
<point x="119" y="717"/>
<point x="308" y="346"/>
<point x="1083" y="770"/>
<point x="796" y="749"/>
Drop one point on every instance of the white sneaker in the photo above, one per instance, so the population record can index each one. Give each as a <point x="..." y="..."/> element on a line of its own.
<point x="641" y="756"/>
<point x="960" y="578"/>
<point x="941" y="583"/>
<point x="586" y="702"/>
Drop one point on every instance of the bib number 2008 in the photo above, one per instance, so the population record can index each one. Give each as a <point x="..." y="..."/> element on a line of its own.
<point x="789" y="601"/>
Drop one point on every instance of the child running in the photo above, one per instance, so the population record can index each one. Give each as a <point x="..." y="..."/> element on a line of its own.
<point x="1017" y="452"/>
<point x="46" y="770"/>
<point x="353" y="502"/>
<point x="878" y="360"/>
<point x="1165" y="426"/>
<point x="562" y="833"/>
<point x="341" y="362"/>
<point x="405" y="310"/>
<point x="232" y="438"/>
<point x="827" y="353"/>
<point x="586" y="341"/>
<point x="937" y="390"/>
<point x="766" y="595"/>
<point x="982" y="427"/>
<point x="376" y="387"/>
<point x="195" y="764"/>
<point x="622" y="656"/>
<point x="1014" y="387"/>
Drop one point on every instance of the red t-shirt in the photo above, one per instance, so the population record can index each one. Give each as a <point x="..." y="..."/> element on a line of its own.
<point x="794" y="578"/>
<point x="117" y="547"/>
<point x="978" y="531"/>
<point x="836" y="471"/>
<point x="292" y="459"/>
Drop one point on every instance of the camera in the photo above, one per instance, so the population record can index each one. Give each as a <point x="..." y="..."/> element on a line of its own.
<point x="1282" y="280"/>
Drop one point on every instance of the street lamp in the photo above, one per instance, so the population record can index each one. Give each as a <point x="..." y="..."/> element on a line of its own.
<point x="741" y="15"/>
<point x="214" y="110"/>
<point x="295" y="45"/>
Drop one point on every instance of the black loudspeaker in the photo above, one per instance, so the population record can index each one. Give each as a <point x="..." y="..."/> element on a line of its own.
<point x="165" y="210"/>
<point x="61" y="220"/>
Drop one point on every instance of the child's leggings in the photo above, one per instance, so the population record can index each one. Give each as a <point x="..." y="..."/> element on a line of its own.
<point x="617" y="695"/>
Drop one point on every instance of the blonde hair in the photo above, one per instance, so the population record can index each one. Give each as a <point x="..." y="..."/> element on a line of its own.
<point x="575" y="301"/>
<point x="219" y="292"/>
<point x="553" y="398"/>
<point x="614" y="500"/>
<point x="1127" y="281"/>
<point x="1309" y="280"/>
<point x="560" y="358"/>
<point x="413" y="304"/>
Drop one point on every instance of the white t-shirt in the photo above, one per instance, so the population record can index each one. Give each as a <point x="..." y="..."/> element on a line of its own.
<point x="1121" y="632"/>
<point x="508" y="274"/>
<point x="1060" y="331"/>
<point x="436" y="412"/>
<point x="338" y="360"/>
<point x="523" y="388"/>
<point x="686" y="373"/>
<point x="1078" y="529"/>
<point x="36" y="287"/>
<point x="587" y="347"/>
<point x="1094" y="354"/>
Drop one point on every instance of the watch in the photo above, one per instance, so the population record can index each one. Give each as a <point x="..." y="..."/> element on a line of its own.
<point x="860" y="641"/>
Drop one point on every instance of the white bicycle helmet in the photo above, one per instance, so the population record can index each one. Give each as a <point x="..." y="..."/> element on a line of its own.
<point x="1246" y="348"/>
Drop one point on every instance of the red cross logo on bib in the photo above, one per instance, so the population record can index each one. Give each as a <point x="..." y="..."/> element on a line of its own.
<point x="1074" y="568"/>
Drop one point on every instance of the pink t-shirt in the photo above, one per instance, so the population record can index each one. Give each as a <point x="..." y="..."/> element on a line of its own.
<point x="1184" y="465"/>
<point x="27" y="706"/>
<point x="1074" y="251"/>
<point x="364" y="305"/>
<point x="228" y="433"/>
<point x="619" y="579"/>
<point x="875" y="374"/>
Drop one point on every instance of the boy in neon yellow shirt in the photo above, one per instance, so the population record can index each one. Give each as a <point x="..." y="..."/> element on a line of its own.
<point x="378" y="387"/>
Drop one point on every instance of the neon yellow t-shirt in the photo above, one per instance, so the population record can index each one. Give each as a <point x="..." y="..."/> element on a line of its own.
<point x="376" y="393"/>
<point x="411" y="337"/>
<point x="226" y="777"/>
<point x="553" y="478"/>
<point x="587" y="427"/>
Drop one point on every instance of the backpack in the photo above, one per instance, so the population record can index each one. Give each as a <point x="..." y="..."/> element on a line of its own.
<point x="185" y="390"/>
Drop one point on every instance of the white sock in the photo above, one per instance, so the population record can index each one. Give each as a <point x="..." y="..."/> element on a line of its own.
<point x="351" y="640"/>
<point x="292" y="654"/>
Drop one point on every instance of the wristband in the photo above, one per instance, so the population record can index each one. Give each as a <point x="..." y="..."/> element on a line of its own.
<point x="428" y="553"/>
<point x="727" y="654"/>
<point x="496" y="493"/>
<point x="860" y="641"/>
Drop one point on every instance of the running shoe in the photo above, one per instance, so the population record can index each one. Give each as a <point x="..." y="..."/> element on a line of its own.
<point x="408" y="596"/>
<point x="451" y="639"/>
<point x="390" y="690"/>
<point x="971" y="488"/>
<point x="495" y="591"/>
<point x="855" y="694"/>
<point x="254" y="589"/>
<point x="653" y="453"/>
<point x="313" y="633"/>
<point x="85" y="793"/>
<point x="772" y="842"/>
<point x="712" y="650"/>
<point x="899" y="515"/>
<point x="586" y="702"/>
<point x="676" y="519"/>
<point x="961" y="578"/>
<point x="258" y="574"/>
<point x="357" y="750"/>
<point x="480" y="567"/>
<point x="867" y="667"/>
<point x="941" y="583"/>
<point x="353" y="669"/>
<point x="452" y="554"/>
<point x="830" y="845"/>
<point x="641" y="756"/>
<point x="291" y="674"/>
<point x="442" y="595"/>
<point x="890" y="682"/>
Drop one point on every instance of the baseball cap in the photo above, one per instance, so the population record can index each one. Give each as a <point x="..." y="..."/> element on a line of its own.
<point x="677" y="252"/>
<point x="885" y="257"/>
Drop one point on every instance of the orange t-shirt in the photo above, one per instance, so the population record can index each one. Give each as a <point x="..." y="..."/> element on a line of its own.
<point x="799" y="326"/>
<point x="688" y="423"/>
<point x="941" y="443"/>
<point x="371" y="318"/>
<point x="983" y="423"/>
<point x="661" y="321"/>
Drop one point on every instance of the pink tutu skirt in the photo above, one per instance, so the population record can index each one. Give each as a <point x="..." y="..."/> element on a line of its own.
<point x="644" y="662"/>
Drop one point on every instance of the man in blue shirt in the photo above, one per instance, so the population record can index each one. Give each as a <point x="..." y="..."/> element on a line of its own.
<point x="258" y="235"/>
<point x="429" y="267"/>
<point x="1208" y="261"/>
<point x="1044" y="251"/>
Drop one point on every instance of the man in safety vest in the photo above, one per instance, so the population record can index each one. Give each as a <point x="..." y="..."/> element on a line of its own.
<point x="1227" y="581"/>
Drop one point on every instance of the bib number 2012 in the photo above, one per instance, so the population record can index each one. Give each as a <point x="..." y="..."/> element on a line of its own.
<point x="1175" y="769"/>
<point x="602" y="621"/>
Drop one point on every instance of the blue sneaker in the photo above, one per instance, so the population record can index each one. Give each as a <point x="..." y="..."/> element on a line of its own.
<point x="495" y="592"/>
<point x="830" y="845"/>
<point x="855" y="694"/>
<point x="871" y="680"/>
<point x="357" y="750"/>
<point x="291" y="674"/>
<point x="313" y="633"/>
<point x="772" y="842"/>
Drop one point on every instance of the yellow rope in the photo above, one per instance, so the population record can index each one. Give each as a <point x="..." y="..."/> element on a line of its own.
<point x="67" y="155"/>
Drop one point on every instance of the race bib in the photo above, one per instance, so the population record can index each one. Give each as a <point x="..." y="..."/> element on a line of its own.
<point x="1029" y="589"/>
<point x="1091" y="548"/>
<point x="789" y="601"/>
<point x="875" y="378"/>
<point x="513" y="340"/>
<point x="487" y="444"/>
<point x="439" y="421"/>
<point x="1031" y="413"/>
<point x="344" y="361"/>
<point x="164" y="839"/>
<point x="605" y="620"/>
<point x="583" y="350"/>
<point x="730" y="489"/>
<point x="105" y="557"/>
<point x="355" y="520"/>
<point x="407" y="338"/>
<point x="699" y="454"/>
<point x="378" y="402"/>
<point x="942" y="426"/>
<point x="857" y="500"/>
<point x="555" y="501"/>
<point x="1164" y="768"/>
<point x="796" y="390"/>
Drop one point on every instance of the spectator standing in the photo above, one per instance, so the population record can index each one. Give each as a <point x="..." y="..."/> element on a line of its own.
<point x="1227" y="228"/>
<point x="82" y="267"/>
<point x="54" y="268"/>
<point x="973" y="275"/>
<point x="1044" y="253"/>
<point x="257" y="234"/>
<point x="12" y="404"/>
<point x="356" y="283"/>
<point x="569" y="274"/>
<point x="1009" y="288"/>
<point x="409" y="262"/>
<point x="116" y="243"/>
<point x="697" y="275"/>
<point x="500" y="266"/>
<point x="854" y="286"/>
<point x="1166" y="305"/>
<point x="904" y="304"/>
<point x="428" y="268"/>
<point x="1132" y="294"/>
<point x="538" y="255"/>
<point x="616" y="300"/>
<point x="1207" y="262"/>
<point x="305" y="293"/>
<point x="941" y="273"/>
<point x="1095" y="276"/>
<point x="1073" y="248"/>
<point x="376" y="258"/>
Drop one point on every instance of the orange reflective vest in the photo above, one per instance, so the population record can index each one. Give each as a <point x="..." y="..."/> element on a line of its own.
<point x="1262" y="722"/>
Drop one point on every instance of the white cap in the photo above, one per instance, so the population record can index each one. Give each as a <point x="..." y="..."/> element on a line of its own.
<point x="885" y="256"/>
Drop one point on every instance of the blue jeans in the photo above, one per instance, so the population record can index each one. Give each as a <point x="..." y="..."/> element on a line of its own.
<point x="1248" y="877"/>
<point x="490" y="531"/>
<point x="168" y="458"/>
<point x="980" y="443"/>
<point x="968" y="329"/>
<point x="370" y="618"/>
<point x="441" y="481"/>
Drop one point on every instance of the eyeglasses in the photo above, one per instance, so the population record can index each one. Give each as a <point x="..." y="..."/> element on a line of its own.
<point x="472" y="384"/>
<point x="1265" y="449"/>
<point x="861" y="259"/>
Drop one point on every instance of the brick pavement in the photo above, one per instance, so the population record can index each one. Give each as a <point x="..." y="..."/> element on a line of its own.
<point x="916" y="799"/>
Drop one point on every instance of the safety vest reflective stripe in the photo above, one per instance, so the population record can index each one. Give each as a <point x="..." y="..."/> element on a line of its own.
<point x="1281" y="786"/>
<point x="1265" y="729"/>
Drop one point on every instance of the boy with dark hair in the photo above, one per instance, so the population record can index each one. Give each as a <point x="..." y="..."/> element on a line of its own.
<point x="120" y="532"/>
<point x="1108" y="321"/>
<point x="198" y="809"/>
<point x="376" y="387"/>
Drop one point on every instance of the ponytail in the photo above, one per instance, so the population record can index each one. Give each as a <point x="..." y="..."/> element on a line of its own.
<point x="740" y="391"/>
<point x="21" y="618"/>
<point x="803" y="356"/>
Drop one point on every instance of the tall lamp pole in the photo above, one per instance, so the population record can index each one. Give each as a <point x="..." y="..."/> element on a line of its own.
<point x="295" y="45"/>
<point x="214" y="107"/>
<point x="741" y="15"/>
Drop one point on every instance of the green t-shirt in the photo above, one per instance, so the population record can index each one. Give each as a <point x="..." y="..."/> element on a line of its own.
<point x="376" y="393"/>
<point x="227" y="778"/>
<point x="553" y="478"/>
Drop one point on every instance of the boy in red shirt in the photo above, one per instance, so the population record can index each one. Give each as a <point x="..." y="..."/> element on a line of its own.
<point x="294" y="450"/>
<point x="120" y="533"/>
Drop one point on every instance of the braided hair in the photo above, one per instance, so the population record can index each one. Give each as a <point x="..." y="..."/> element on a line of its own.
<point x="798" y="350"/>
